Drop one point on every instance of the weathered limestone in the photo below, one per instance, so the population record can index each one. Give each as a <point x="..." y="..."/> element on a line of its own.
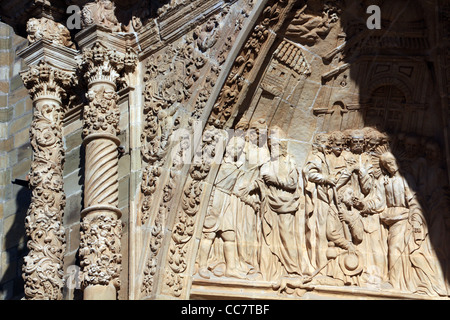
<point x="49" y="86"/>
<point x="275" y="149"/>
<point x="101" y="226"/>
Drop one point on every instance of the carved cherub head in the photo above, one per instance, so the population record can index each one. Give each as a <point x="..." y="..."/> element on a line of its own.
<point x="32" y="29"/>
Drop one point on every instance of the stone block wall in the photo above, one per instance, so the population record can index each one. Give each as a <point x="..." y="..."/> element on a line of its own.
<point x="15" y="161"/>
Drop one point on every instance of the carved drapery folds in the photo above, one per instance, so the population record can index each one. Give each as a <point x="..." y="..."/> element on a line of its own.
<point x="43" y="266"/>
<point x="361" y="203"/>
<point x="370" y="218"/>
<point x="101" y="226"/>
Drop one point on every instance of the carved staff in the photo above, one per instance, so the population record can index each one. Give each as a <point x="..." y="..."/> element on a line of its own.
<point x="43" y="266"/>
<point x="101" y="227"/>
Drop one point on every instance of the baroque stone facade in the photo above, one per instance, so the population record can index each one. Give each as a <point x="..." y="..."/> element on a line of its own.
<point x="273" y="149"/>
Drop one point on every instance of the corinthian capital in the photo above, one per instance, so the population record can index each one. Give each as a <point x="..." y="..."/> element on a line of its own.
<point x="45" y="81"/>
<point x="100" y="64"/>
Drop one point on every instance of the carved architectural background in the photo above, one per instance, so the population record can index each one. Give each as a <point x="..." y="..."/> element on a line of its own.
<point x="275" y="149"/>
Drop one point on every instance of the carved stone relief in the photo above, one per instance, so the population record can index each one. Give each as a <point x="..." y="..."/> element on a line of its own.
<point x="100" y="12"/>
<point x="360" y="211"/>
<point x="172" y="108"/>
<point x="364" y="224"/>
<point x="43" y="266"/>
<point x="213" y="137"/>
<point x="47" y="29"/>
<point x="101" y="227"/>
<point x="321" y="166"/>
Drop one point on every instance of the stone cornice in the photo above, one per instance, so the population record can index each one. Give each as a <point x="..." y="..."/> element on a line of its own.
<point x="58" y="56"/>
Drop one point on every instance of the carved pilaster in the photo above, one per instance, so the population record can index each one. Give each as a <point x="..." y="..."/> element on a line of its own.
<point x="43" y="266"/>
<point x="101" y="227"/>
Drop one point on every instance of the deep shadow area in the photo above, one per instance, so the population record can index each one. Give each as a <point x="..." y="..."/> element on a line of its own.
<point x="396" y="71"/>
<point x="12" y="283"/>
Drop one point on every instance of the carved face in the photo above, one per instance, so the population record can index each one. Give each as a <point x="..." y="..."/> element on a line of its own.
<point x="321" y="142"/>
<point x="372" y="143"/>
<point x="257" y="136"/>
<point x="337" y="146"/>
<point x="357" y="144"/>
<point x="277" y="148"/>
<point x="389" y="163"/>
<point x="347" y="196"/>
<point x="234" y="149"/>
<point x="185" y="142"/>
<point x="32" y="26"/>
<point x="412" y="146"/>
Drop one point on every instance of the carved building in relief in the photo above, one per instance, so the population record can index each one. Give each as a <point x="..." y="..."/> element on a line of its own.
<point x="274" y="149"/>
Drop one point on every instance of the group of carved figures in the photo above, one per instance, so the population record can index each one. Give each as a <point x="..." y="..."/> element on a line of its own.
<point x="361" y="216"/>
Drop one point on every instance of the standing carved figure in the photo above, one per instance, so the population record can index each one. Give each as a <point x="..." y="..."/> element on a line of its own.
<point x="280" y="199"/>
<point x="221" y="220"/>
<point x="248" y="231"/>
<point x="318" y="184"/>
<point x="411" y="264"/>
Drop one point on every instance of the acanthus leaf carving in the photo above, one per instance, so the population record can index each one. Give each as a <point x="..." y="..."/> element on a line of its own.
<point x="187" y="214"/>
<point x="104" y="70"/>
<point x="102" y="114"/>
<point x="101" y="64"/>
<point x="100" y="250"/>
<point x="44" y="80"/>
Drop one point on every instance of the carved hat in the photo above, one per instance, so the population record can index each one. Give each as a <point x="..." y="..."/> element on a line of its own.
<point x="351" y="263"/>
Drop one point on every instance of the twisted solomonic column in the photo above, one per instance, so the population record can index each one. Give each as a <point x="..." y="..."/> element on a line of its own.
<point x="43" y="266"/>
<point x="101" y="227"/>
